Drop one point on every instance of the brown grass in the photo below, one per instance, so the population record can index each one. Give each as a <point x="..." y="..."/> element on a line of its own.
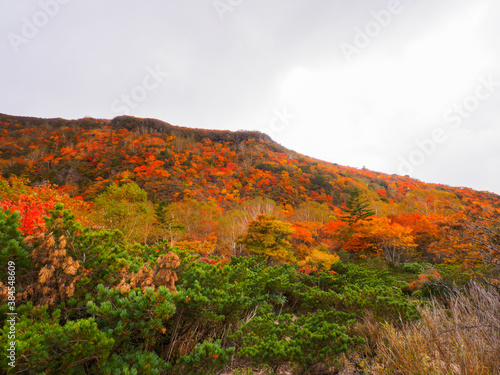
<point x="463" y="338"/>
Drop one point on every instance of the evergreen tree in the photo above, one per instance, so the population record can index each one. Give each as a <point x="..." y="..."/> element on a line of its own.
<point x="357" y="208"/>
<point x="167" y="224"/>
<point x="12" y="247"/>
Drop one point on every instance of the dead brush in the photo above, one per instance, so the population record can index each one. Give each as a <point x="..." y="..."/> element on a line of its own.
<point x="161" y="274"/>
<point x="55" y="273"/>
<point x="463" y="338"/>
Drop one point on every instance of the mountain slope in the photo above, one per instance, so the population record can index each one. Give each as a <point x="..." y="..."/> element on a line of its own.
<point x="213" y="184"/>
<point x="172" y="163"/>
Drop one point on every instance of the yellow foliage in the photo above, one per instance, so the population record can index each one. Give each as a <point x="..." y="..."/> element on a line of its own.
<point x="318" y="258"/>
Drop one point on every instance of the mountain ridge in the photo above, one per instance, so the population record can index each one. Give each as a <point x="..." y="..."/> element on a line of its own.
<point x="149" y="125"/>
<point x="152" y="124"/>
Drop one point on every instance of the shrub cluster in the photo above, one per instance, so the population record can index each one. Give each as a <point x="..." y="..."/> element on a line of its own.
<point x="90" y="302"/>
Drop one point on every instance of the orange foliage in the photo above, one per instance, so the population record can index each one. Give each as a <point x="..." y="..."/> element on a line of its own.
<point x="230" y="169"/>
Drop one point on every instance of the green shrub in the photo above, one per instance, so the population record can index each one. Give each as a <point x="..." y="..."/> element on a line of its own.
<point x="12" y="247"/>
<point x="133" y="362"/>
<point x="43" y="345"/>
<point x="415" y="268"/>
<point x="206" y="358"/>
<point x="132" y="317"/>
<point x="305" y="340"/>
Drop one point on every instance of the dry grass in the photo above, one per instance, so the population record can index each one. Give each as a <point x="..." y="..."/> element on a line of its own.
<point x="463" y="338"/>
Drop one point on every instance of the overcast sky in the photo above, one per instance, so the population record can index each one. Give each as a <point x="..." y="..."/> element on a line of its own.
<point x="405" y="87"/>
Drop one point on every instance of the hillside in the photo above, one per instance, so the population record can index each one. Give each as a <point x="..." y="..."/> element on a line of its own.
<point x="172" y="163"/>
<point x="137" y="246"/>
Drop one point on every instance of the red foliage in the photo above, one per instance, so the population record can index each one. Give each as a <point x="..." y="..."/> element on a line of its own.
<point x="31" y="210"/>
<point x="220" y="261"/>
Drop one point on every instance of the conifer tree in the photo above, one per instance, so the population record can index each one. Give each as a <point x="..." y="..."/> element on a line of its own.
<point x="357" y="208"/>
<point x="12" y="247"/>
<point x="165" y="223"/>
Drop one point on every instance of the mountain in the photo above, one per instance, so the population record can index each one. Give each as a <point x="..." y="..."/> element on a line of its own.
<point x="172" y="163"/>
<point x="207" y="178"/>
